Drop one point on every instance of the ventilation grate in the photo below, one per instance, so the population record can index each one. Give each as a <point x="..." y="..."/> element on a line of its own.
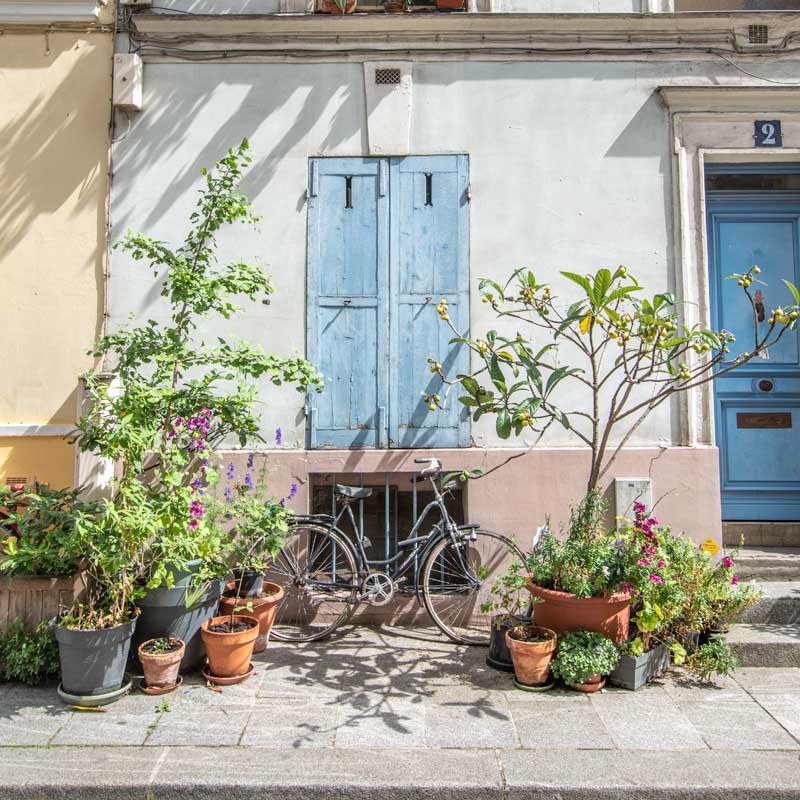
<point x="13" y="480"/>
<point x="758" y="34"/>
<point x="387" y="76"/>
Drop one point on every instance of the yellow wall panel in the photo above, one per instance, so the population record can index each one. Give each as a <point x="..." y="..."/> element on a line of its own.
<point x="48" y="459"/>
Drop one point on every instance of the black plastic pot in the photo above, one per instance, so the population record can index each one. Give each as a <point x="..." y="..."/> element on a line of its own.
<point x="499" y="657"/>
<point x="164" y="613"/>
<point x="252" y="582"/>
<point x="93" y="662"/>
<point x="633" y="672"/>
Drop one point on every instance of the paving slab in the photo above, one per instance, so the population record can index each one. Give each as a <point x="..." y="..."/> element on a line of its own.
<point x="292" y="721"/>
<point x="560" y="725"/>
<point x="768" y="679"/>
<point x="215" y="726"/>
<point x="784" y="708"/>
<point x="738" y="726"/>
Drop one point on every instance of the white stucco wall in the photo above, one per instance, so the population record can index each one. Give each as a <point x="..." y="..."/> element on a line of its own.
<point x="570" y="169"/>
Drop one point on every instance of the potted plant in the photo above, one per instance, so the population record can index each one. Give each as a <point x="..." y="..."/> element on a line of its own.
<point x="532" y="648"/>
<point x="712" y="658"/>
<point x="172" y="399"/>
<point x="450" y="5"/>
<point x="338" y="6"/>
<point x="623" y="340"/>
<point x="577" y="582"/>
<point x="161" y="660"/>
<point x="396" y="6"/>
<point x="39" y="559"/>
<point x="506" y="598"/>
<point x="229" y="643"/>
<point x="94" y="635"/>
<point x="583" y="659"/>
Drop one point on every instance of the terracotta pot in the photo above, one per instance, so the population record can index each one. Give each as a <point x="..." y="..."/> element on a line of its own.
<point x="532" y="659"/>
<point x="263" y="609"/>
<point x="229" y="654"/>
<point x="562" y="612"/>
<point x="329" y="7"/>
<point x="593" y="684"/>
<point x="161" y="669"/>
<point x="450" y="5"/>
<point x="394" y="6"/>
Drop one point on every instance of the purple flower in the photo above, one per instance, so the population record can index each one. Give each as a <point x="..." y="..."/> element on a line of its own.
<point x="229" y="515"/>
<point x="228" y="495"/>
<point x="278" y="437"/>
<point x="193" y="524"/>
<point x="205" y="462"/>
<point x="230" y="471"/>
<point x="282" y="502"/>
<point x="250" y="460"/>
<point x="248" y="481"/>
<point x="293" y="491"/>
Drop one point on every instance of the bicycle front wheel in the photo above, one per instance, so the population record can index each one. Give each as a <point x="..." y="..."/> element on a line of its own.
<point x="457" y="580"/>
<point x="316" y="569"/>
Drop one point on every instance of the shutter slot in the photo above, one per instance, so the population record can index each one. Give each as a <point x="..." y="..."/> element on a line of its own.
<point x="428" y="189"/>
<point x="348" y="191"/>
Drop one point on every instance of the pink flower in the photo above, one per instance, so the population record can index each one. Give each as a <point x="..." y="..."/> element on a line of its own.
<point x="662" y="563"/>
<point x="656" y="578"/>
<point x="193" y="524"/>
<point x="642" y="562"/>
<point x="735" y="581"/>
<point x="727" y="562"/>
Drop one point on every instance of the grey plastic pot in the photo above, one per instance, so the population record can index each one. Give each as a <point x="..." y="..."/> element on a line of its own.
<point x="93" y="662"/>
<point x="633" y="672"/>
<point x="164" y="613"/>
<point x="499" y="657"/>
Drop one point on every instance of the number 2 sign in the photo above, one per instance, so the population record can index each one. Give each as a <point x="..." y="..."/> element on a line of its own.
<point x="768" y="133"/>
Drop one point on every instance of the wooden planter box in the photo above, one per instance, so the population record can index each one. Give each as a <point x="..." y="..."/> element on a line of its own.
<point x="35" y="598"/>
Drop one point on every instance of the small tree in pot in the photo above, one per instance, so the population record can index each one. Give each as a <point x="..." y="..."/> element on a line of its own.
<point x="628" y="354"/>
<point x="174" y="398"/>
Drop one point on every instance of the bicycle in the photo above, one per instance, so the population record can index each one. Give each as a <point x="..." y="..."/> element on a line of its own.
<point x="325" y="572"/>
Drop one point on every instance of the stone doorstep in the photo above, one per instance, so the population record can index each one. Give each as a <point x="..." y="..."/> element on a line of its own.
<point x="769" y="563"/>
<point x="197" y="773"/>
<point x="761" y="534"/>
<point x="779" y="605"/>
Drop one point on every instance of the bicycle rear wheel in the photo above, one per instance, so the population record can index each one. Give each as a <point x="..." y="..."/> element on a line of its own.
<point x="457" y="579"/>
<point x="316" y="568"/>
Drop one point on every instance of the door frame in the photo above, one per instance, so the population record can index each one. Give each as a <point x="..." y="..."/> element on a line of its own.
<point x="751" y="204"/>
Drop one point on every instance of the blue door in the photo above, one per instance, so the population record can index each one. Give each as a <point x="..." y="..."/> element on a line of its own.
<point x="386" y="239"/>
<point x="757" y="407"/>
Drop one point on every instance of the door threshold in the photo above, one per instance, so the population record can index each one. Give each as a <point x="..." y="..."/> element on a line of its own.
<point x="761" y="534"/>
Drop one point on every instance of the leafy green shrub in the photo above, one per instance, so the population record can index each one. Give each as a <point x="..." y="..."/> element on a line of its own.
<point x="713" y="658"/>
<point x="41" y="526"/>
<point x="582" y="654"/>
<point x="28" y="657"/>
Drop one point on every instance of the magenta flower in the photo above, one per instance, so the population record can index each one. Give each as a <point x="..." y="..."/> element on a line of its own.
<point x="193" y="524"/>
<point x="643" y="562"/>
<point x="656" y="579"/>
<point x="727" y="562"/>
<point x="735" y="581"/>
<point x="662" y="563"/>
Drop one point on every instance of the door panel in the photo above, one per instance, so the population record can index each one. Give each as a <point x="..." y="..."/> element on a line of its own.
<point x="347" y="301"/>
<point x="758" y="406"/>
<point x="429" y="261"/>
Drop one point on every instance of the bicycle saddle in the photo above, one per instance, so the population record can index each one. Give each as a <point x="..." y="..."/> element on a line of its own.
<point x="353" y="492"/>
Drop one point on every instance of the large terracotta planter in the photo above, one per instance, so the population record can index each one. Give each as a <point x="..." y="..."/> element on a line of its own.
<point x="329" y="7"/>
<point x="532" y="659"/>
<point x="161" y="669"/>
<point x="229" y="654"/>
<point x="450" y="5"/>
<point x="562" y="612"/>
<point x="263" y="609"/>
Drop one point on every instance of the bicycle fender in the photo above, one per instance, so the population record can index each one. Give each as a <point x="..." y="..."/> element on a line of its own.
<point x="422" y="557"/>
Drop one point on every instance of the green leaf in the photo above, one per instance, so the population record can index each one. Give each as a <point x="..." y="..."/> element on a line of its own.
<point x="793" y="289"/>
<point x="602" y="283"/>
<point x="503" y="424"/>
<point x="581" y="280"/>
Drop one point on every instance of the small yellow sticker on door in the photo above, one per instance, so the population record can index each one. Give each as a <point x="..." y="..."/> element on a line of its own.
<point x="710" y="546"/>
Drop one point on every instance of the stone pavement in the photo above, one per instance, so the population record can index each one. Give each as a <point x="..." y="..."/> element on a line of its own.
<point x="390" y="713"/>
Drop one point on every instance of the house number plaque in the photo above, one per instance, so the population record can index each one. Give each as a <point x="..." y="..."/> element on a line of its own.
<point x="764" y="420"/>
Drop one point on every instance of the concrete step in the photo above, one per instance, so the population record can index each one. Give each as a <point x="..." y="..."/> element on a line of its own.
<point x="765" y="644"/>
<point x="769" y="563"/>
<point x="761" y="534"/>
<point x="780" y="604"/>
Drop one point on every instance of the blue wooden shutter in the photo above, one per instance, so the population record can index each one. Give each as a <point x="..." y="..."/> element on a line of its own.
<point x="347" y="300"/>
<point x="430" y="260"/>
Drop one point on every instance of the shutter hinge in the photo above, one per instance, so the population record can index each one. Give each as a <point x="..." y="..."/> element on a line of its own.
<point x="313" y="180"/>
<point x="469" y="192"/>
